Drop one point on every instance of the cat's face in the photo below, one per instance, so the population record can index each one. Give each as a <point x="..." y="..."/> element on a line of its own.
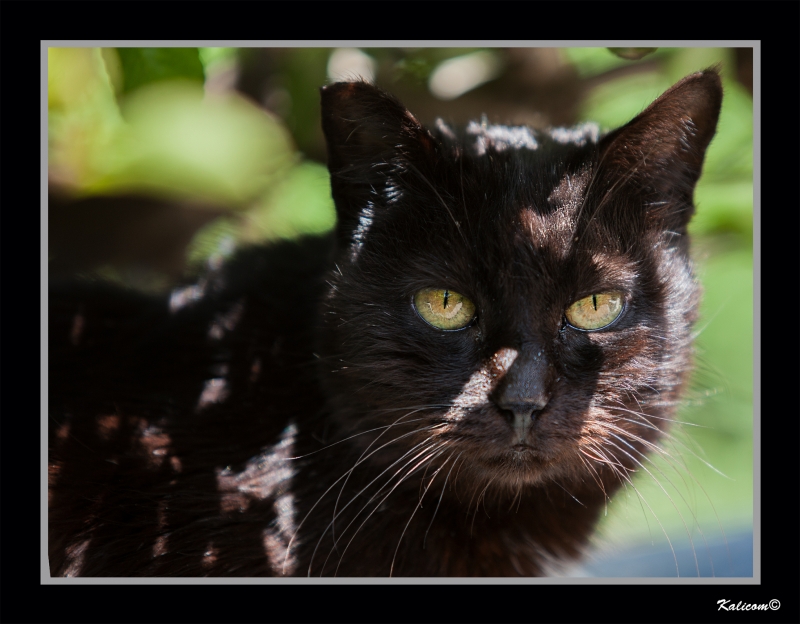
<point x="519" y="302"/>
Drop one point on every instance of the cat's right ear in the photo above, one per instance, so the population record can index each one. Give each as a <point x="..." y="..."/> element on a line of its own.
<point x="370" y="138"/>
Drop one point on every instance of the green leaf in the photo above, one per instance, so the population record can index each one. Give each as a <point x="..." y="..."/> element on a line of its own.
<point x="297" y="205"/>
<point x="731" y="150"/>
<point x="612" y="104"/>
<point x="142" y="66"/>
<point x="213" y="56"/>
<point x="723" y="206"/>
<point x="307" y="185"/>
<point x="176" y="142"/>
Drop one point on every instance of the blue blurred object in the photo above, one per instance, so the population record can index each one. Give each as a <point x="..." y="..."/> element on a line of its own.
<point x="719" y="558"/>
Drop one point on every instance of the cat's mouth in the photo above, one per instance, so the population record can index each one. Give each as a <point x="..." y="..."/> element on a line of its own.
<point x="526" y="457"/>
<point x="521" y="455"/>
<point x="532" y="459"/>
<point x="520" y="464"/>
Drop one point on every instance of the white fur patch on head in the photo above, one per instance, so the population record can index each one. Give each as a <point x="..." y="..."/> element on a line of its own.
<point x="577" y="135"/>
<point x="500" y="138"/>
<point x="569" y="193"/>
<point x="555" y="231"/>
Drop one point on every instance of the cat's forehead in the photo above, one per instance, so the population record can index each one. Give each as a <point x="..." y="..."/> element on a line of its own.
<point x="555" y="233"/>
<point x="551" y="222"/>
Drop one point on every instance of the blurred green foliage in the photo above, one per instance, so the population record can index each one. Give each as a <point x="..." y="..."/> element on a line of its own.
<point x="157" y="121"/>
<point x="165" y="136"/>
<point x="143" y="66"/>
<point x="180" y="142"/>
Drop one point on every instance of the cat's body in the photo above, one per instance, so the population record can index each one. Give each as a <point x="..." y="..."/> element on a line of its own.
<point x="306" y="410"/>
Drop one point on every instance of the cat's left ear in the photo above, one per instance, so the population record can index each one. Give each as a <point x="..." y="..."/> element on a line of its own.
<point x="370" y="137"/>
<point x="661" y="151"/>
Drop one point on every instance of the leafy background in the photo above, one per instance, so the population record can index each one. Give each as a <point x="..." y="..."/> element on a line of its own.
<point x="165" y="159"/>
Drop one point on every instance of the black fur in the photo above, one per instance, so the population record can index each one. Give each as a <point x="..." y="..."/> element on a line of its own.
<point x="294" y="415"/>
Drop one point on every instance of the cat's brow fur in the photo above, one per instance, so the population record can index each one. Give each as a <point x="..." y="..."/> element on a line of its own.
<point x="291" y="413"/>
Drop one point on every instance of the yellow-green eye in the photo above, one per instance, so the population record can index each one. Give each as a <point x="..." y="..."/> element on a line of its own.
<point x="595" y="311"/>
<point x="444" y="309"/>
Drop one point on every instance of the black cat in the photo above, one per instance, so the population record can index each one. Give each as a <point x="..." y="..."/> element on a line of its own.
<point x="451" y="384"/>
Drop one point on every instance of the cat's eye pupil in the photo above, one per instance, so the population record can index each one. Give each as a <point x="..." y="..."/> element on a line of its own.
<point x="443" y="308"/>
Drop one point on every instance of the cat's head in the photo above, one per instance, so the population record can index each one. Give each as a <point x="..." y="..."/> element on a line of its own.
<point x="522" y="300"/>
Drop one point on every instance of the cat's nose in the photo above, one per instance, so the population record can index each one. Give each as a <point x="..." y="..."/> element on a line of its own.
<point x="524" y="391"/>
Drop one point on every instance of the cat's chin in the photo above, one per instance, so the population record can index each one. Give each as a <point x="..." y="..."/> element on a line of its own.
<point x="521" y="464"/>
